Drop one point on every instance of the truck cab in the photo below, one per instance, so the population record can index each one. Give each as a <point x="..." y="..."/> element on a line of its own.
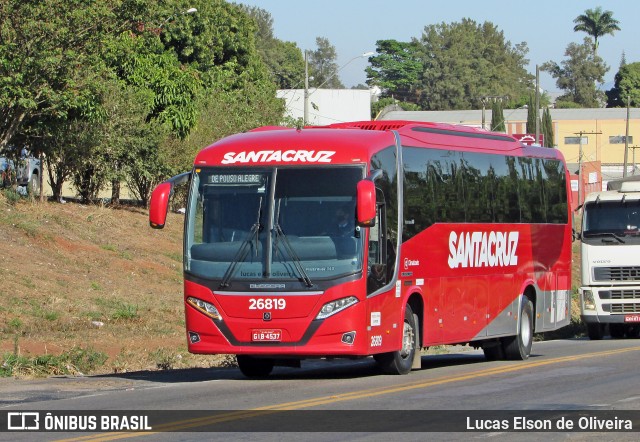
<point x="610" y="258"/>
<point x="21" y="168"/>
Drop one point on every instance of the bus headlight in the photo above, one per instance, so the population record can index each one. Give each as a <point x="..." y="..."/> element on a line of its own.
<point x="333" y="307"/>
<point x="204" y="307"/>
<point x="588" y="303"/>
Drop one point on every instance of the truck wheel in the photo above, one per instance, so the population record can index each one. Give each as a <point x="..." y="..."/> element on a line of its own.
<point x="401" y="361"/>
<point x="518" y="347"/>
<point x="595" y="331"/>
<point x="616" y="331"/>
<point x="253" y="367"/>
<point x="633" y="332"/>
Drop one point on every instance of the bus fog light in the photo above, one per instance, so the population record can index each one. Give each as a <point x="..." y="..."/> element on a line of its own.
<point x="194" y="337"/>
<point x="588" y="302"/>
<point x="204" y="307"/>
<point x="349" y="337"/>
<point x="333" y="307"/>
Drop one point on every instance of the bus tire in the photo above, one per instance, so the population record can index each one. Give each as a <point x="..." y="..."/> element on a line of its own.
<point x="518" y="347"/>
<point x="595" y="331"/>
<point x="493" y="352"/>
<point x="616" y="331"/>
<point x="401" y="361"/>
<point x="253" y="367"/>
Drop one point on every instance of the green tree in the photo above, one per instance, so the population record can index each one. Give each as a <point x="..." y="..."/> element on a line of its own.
<point x="547" y="128"/>
<point x="391" y="102"/>
<point x="578" y="75"/>
<point x="323" y="67"/>
<point x="596" y="23"/>
<point x="172" y="86"/>
<point x="283" y="58"/>
<point x="531" y="116"/>
<point x="497" y="117"/>
<point x="395" y="69"/>
<point x="627" y="84"/>
<point x="48" y="56"/>
<point x="465" y="61"/>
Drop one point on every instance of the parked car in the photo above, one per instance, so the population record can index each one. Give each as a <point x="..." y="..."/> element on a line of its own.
<point x="25" y="172"/>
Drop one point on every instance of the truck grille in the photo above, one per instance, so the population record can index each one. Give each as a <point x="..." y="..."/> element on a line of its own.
<point x="630" y="273"/>
<point x="625" y="308"/>
<point x="625" y="294"/>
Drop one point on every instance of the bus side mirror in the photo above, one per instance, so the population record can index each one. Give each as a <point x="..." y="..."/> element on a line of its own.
<point x="159" y="205"/>
<point x="366" y="203"/>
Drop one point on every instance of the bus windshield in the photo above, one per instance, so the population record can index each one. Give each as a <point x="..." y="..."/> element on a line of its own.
<point x="273" y="223"/>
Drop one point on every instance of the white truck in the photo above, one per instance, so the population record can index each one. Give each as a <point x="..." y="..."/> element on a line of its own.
<point x="25" y="172"/>
<point x="610" y="258"/>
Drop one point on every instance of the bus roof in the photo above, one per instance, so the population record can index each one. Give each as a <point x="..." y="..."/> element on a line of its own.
<point x="355" y="142"/>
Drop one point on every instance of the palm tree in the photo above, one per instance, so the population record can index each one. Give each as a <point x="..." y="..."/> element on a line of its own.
<point x="596" y="23"/>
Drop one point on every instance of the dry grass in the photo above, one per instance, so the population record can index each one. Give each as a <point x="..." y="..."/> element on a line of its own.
<point x="75" y="276"/>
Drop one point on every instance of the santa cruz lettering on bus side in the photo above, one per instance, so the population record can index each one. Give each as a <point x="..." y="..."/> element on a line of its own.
<point x="483" y="249"/>
<point x="268" y="156"/>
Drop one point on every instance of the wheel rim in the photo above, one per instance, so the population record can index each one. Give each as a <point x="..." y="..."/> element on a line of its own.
<point x="407" y="340"/>
<point x="525" y="330"/>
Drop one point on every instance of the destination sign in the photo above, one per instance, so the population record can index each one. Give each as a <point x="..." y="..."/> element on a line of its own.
<point x="237" y="178"/>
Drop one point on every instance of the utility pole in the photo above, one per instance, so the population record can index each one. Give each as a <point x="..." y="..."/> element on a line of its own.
<point x="580" y="177"/>
<point x="305" y="117"/>
<point x="626" y="141"/>
<point x="538" y="105"/>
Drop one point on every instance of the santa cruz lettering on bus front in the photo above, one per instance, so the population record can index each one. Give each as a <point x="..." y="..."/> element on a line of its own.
<point x="483" y="249"/>
<point x="277" y="156"/>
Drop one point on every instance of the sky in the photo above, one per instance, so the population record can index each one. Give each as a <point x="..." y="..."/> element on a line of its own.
<point x="354" y="26"/>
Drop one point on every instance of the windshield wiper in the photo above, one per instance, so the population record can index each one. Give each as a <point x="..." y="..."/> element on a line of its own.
<point x="243" y="250"/>
<point x="292" y="253"/>
<point x="604" y="234"/>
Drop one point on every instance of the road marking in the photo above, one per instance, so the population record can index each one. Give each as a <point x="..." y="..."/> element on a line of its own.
<point x="359" y="394"/>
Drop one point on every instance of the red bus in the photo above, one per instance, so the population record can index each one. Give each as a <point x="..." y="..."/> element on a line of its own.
<point x="374" y="238"/>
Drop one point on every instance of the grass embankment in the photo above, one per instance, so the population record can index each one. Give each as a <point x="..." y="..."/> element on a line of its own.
<point x="89" y="289"/>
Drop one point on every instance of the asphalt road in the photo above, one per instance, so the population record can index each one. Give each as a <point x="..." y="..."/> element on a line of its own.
<point x="574" y="376"/>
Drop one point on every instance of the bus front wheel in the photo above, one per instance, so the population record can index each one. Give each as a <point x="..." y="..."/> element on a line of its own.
<point x="401" y="361"/>
<point x="253" y="367"/>
<point x="518" y="347"/>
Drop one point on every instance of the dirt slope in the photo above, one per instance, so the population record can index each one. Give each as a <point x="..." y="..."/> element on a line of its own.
<point x="92" y="277"/>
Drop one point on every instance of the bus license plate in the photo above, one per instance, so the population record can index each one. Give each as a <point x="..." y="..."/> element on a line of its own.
<point x="632" y="318"/>
<point x="266" y="335"/>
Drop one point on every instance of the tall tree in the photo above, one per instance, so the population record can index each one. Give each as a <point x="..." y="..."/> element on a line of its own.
<point x="323" y="67"/>
<point x="395" y="69"/>
<point x="284" y="59"/>
<point x="532" y="115"/>
<point x="547" y="128"/>
<point x="48" y="53"/>
<point x="578" y="76"/>
<point x="596" y="23"/>
<point x="465" y="61"/>
<point x="627" y="84"/>
<point x="497" y="117"/>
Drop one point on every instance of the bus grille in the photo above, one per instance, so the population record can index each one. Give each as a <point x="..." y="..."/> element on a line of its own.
<point x="616" y="273"/>
<point x="625" y="294"/>
<point x="625" y="308"/>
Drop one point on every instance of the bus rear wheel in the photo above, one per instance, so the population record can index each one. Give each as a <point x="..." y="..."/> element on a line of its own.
<point x="401" y="361"/>
<point x="518" y="347"/>
<point x="253" y="367"/>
